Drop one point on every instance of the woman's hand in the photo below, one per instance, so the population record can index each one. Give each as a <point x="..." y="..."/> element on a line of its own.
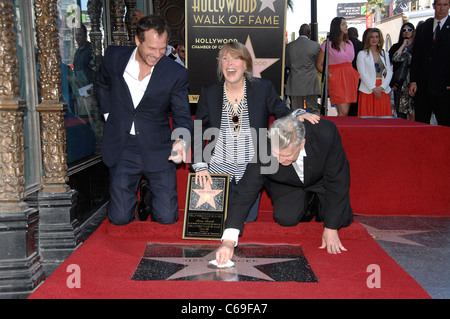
<point x="225" y="252"/>
<point x="313" y="118"/>
<point x="377" y="91"/>
<point x="178" y="152"/>
<point x="203" y="178"/>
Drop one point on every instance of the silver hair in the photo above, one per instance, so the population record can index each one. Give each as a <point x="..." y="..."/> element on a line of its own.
<point x="287" y="130"/>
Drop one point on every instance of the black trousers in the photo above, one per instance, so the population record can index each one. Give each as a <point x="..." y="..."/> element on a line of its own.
<point x="292" y="205"/>
<point x="125" y="175"/>
<point x="425" y="104"/>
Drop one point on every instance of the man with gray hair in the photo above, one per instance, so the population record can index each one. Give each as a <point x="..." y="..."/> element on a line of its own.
<point x="311" y="160"/>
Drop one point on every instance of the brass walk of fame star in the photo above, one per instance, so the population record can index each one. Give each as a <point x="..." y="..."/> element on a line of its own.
<point x="198" y="266"/>
<point x="259" y="65"/>
<point x="394" y="235"/>
<point x="207" y="195"/>
<point x="274" y="263"/>
<point x="267" y="4"/>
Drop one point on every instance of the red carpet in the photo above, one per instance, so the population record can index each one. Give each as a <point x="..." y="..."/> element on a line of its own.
<point x="108" y="259"/>
<point x="398" y="167"/>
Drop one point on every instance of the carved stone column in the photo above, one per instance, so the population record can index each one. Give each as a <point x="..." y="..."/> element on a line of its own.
<point x="51" y="109"/>
<point x="59" y="234"/>
<point x="20" y="267"/>
<point x="119" y="32"/>
<point x="131" y="20"/>
<point x="95" y="10"/>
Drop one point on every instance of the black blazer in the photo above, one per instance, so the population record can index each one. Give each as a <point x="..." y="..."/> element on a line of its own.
<point x="262" y="100"/>
<point x="326" y="173"/>
<point x="166" y="96"/>
<point x="430" y="64"/>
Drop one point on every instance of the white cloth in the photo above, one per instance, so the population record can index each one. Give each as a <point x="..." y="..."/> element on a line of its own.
<point x="229" y="264"/>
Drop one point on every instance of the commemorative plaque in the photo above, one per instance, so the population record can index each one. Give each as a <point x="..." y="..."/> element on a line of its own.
<point x="206" y="208"/>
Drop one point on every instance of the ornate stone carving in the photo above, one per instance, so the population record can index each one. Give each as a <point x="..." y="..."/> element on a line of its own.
<point x="119" y="32"/>
<point x="12" y="155"/>
<point x="131" y="20"/>
<point x="156" y="7"/>
<point x="173" y="11"/>
<point x="54" y="158"/>
<point x="48" y="49"/>
<point x="9" y="74"/>
<point x="51" y="109"/>
<point x="95" y="11"/>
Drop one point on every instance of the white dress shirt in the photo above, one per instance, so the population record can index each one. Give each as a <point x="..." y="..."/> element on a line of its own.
<point x="137" y="88"/>
<point x="441" y="23"/>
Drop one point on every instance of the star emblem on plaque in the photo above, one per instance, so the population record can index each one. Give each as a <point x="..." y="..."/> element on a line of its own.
<point x="206" y="208"/>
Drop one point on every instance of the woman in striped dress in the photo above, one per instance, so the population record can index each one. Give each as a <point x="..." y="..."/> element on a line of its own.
<point x="232" y="111"/>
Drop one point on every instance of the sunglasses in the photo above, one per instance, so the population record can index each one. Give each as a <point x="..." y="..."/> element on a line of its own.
<point x="378" y="69"/>
<point x="235" y="120"/>
<point x="407" y="30"/>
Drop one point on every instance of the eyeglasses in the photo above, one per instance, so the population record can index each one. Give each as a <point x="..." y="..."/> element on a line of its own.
<point x="407" y="30"/>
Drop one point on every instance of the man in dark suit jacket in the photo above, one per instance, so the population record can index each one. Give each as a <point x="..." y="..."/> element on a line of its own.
<point x="357" y="46"/>
<point x="311" y="162"/>
<point x="138" y="89"/>
<point x="430" y="67"/>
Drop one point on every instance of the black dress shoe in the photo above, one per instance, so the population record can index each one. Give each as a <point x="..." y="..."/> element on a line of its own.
<point x="143" y="206"/>
<point x="312" y="209"/>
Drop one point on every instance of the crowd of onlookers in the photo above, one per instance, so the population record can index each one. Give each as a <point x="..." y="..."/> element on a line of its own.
<point x="410" y="81"/>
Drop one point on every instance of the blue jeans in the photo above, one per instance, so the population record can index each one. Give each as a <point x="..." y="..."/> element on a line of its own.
<point x="125" y="176"/>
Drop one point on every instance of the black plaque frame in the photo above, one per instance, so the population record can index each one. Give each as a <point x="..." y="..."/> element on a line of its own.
<point x="201" y="219"/>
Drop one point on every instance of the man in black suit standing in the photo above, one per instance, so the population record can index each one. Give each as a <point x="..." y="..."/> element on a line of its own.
<point x="430" y="67"/>
<point x="308" y="159"/>
<point x="138" y="90"/>
<point x="357" y="46"/>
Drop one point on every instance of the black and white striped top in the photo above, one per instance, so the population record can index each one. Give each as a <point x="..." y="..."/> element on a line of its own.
<point x="234" y="148"/>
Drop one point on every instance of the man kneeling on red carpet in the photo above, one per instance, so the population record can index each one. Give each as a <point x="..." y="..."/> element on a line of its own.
<point x="310" y="160"/>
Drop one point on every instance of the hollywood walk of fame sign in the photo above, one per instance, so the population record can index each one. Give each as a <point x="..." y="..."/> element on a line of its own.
<point x="277" y="263"/>
<point x="258" y="24"/>
<point x="206" y="208"/>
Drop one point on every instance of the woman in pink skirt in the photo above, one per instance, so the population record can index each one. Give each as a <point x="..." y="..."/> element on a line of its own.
<point x="343" y="78"/>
